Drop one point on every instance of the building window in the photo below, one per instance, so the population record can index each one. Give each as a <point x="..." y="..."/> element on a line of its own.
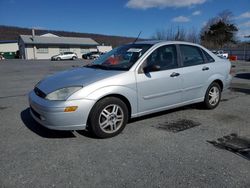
<point x="61" y="50"/>
<point x="42" y="50"/>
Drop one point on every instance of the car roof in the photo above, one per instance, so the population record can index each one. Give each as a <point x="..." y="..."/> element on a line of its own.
<point x="165" y="42"/>
<point x="153" y="42"/>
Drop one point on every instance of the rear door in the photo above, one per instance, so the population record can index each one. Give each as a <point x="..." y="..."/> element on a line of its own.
<point x="195" y="72"/>
<point x="160" y="87"/>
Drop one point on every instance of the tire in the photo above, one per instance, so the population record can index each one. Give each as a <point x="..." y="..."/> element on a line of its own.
<point x="88" y="57"/>
<point x="58" y="59"/>
<point x="74" y="57"/>
<point x="213" y="90"/>
<point x="108" y="117"/>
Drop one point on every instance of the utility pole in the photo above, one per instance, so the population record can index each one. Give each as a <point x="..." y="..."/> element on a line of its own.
<point x="34" y="48"/>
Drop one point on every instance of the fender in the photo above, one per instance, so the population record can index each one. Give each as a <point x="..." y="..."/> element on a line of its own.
<point x="211" y="79"/>
<point x="129" y="93"/>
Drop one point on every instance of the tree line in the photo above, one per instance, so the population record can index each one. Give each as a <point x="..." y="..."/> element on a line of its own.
<point x="218" y="32"/>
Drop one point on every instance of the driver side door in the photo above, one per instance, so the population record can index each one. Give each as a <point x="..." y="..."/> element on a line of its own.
<point x="159" y="82"/>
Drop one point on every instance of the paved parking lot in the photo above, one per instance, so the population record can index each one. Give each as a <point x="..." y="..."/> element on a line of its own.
<point x="146" y="154"/>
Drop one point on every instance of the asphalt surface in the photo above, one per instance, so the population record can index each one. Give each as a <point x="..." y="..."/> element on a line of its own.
<point x="147" y="153"/>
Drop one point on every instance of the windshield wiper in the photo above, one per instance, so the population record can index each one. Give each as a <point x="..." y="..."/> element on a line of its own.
<point x="97" y="66"/>
<point x="105" y="67"/>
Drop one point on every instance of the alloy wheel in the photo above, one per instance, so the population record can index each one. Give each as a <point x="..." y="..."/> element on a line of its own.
<point x="214" y="96"/>
<point x="111" y="118"/>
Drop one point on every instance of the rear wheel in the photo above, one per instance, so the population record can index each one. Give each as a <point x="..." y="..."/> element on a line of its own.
<point x="108" y="117"/>
<point x="213" y="96"/>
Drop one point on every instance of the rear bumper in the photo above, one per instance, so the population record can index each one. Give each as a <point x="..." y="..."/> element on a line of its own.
<point x="51" y="113"/>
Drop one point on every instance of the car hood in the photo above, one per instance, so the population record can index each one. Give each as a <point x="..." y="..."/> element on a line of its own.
<point x="75" y="77"/>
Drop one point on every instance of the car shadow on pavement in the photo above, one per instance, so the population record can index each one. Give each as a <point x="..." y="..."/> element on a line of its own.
<point x="241" y="90"/>
<point x="87" y="134"/>
<point x="197" y="106"/>
<point x="35" y="127"/>
<point x="243" y="76"/>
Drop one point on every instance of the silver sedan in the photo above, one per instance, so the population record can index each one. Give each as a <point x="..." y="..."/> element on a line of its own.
<point x="130" y="81"/>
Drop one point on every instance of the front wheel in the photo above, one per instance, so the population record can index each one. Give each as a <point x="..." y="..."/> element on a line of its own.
<point x="213" y="96"/>
<point x="108" y="117"/>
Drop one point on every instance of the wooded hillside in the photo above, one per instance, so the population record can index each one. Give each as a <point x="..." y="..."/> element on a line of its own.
<point x="12" y="33"/>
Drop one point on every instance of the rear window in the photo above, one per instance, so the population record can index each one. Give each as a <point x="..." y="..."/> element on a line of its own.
<point x="209" y="58"/>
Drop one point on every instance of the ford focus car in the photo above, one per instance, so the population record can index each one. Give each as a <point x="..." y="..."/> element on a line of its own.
<point x="130" y="81"/>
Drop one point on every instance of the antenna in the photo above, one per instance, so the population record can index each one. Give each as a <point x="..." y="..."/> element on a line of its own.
<point x="137" y="37"/>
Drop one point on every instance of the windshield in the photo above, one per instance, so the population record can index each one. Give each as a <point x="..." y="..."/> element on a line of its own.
<point x="121" y="58"/>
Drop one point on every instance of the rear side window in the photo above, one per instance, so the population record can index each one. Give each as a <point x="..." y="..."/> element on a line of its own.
<point x="191" y="55"/>
<point x="209" y="58"/>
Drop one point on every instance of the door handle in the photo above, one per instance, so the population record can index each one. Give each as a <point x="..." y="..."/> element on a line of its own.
<point x="205" y="68"/>
<point x="175" y="74"/>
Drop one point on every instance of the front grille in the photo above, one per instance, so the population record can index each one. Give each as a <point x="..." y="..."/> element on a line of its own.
<point x="35" y="113"/>
<point x="39" y="93"/>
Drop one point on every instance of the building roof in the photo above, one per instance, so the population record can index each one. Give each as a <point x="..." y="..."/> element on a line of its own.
<point x="8" y="41"/>
<point x="49" y="35"/>
<point x="28" y="39"/>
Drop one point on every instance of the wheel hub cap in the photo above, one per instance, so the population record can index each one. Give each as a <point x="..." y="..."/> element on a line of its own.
<point x="111" y="118"/>
<point x="214" y="96"/>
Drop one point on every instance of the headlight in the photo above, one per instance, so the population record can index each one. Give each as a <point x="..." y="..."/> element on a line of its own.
<point x="62" y="94"/>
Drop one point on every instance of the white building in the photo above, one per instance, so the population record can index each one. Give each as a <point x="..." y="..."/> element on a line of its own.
<point x="8" y="49"/>
<point x="45" y="46"/>
<point x="104" y="49"/>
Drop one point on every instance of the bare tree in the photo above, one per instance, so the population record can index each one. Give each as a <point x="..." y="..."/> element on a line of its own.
<point x="170" y="34"/>
<point x="165" y="34"/>
<point x="179" y="34"/>
<point x="193" y="36"/>
<point x="159" y="35"/>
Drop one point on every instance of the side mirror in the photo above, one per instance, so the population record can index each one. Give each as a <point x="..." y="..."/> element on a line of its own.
<point x="151" y="68"/>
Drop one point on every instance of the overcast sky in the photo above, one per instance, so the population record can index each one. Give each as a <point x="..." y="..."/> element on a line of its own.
<point x="120" y="17"/>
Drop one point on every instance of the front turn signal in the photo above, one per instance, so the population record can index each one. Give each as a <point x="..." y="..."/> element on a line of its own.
<point x="70" y="108"/>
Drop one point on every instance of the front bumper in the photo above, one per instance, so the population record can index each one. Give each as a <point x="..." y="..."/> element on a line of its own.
<point x="51" y="113"/>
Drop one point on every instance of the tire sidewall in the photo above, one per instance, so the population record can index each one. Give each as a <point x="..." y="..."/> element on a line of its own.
<point x="94" y="126"/>
<point x="206" y="101"/>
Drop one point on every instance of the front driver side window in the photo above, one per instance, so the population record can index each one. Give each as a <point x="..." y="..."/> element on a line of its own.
<point x="165" y="57"/>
